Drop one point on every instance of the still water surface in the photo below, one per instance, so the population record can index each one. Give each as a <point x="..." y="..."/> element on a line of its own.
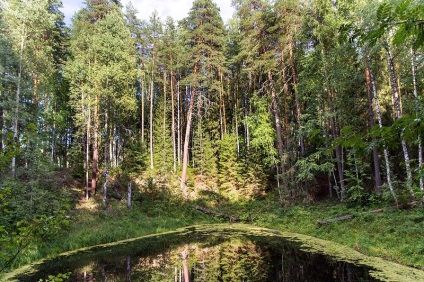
<point x="200" y="255"/>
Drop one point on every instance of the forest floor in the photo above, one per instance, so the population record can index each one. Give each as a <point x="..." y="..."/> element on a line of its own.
<point x="395" y="235"/>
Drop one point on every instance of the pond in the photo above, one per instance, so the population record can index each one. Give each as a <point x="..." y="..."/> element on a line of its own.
<point x="217" y="253"/>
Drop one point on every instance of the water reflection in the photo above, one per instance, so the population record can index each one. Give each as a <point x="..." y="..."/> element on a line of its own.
<point x="197" y="256"/>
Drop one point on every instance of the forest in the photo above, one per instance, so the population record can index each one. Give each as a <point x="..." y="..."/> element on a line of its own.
<point x="288" y="104"/>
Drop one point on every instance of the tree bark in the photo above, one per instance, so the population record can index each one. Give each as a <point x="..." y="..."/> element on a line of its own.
<point x="222" y="96"/>
<point x="129" y="193"/>
<point x="296" y="96"/>
<point x="95" y="160"/>
<point x="174" y="155"/>
<point x="143" y="85"/>
<point x="17" y="101"/>
<point x="275" y="111"/>
<point x="186" y="141"/>
<point x="380" y="124"/>
<point x="415" y="83"/>
<point x="377" y="173"/>
<point x="236" y="115"/>
<point x="339" y="158"/>
<point x="87" y="148"/>
<point x="277" y="126"/>
<point x="164" y="121"/>
<point x="184" y="256"/>
<point x="104" y="200"/>
<point x="151" y="122"/>
<point x="178" y="124"/>
<point x="395" y="92"/>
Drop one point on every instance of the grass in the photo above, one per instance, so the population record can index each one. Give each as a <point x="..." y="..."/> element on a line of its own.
<point x="393" y="235"/>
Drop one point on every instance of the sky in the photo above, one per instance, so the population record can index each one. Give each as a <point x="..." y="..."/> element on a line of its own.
<point x="177" y="9"/>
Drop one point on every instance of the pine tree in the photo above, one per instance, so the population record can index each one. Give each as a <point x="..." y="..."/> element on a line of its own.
<point x="204" y="39"/>
<point x="102" y="72"/>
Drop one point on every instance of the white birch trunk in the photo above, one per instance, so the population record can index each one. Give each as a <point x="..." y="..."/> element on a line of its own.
<point x="380" y="124"/>
<point x="420" y="147"/>
<point x="392" y="72"/>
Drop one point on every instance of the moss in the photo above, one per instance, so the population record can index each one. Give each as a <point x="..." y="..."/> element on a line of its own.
<point x="381" y="269"/>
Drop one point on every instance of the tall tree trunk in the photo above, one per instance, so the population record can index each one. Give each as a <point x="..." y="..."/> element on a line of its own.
<point x="174" y="155"/>
<point x="95" y="160"/>
<point x="199" y="133"/>
<point x="129" y="193"/>
<point x="222" y="96"/>
<point x="104" y="199"/>
<point x="420" y="146"/>
<point x="17" y="99"/>
<point x="186" y="141"/>
<point x="87" y="115"/>
<point x="151" y="122"/>
<point x="164" y="121"/>
<point x="280" y="145"/>
<point x="143" y="85"/>
<point x="128" y="262"/>
<point x="178" y="123"/>
<point x="339" y="158"/>
<point x="2" y="126"/>
<point x="380" y="124"/>
<point x="395" y="92"/>
<point x="296" y="96"/>
<point x="236" y="114"/>
<point x="184" y="256"/>
<point x="377" y="173"/>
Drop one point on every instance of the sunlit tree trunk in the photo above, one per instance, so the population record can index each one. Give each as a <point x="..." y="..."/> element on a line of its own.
<point x="174" y="153"/>
<point x="184" y="256"/>
<point x="377" y="173"/>
<point x="236" y="114"/>
<point x="187" y="140"/>
<point x="87" y="146"/>
<point x="296" y="96"/>
<point x="164" y="118"/>
<point x="151" y="122"/>
<point x="95" y="159"/>
<point x="143" y="85"/>
<point x="129" y="193"/>
<point x="392" y="74"/>
<point x="199" y="134"/>
<point x="275" y="111"/>
<point x="104" y="199"/>
<point x="380" y="124"/>
<point x="415" y="83"/>
<point x="222" y="102"/>
<point x="17" y="98"/>
<point x="178" y="124"/>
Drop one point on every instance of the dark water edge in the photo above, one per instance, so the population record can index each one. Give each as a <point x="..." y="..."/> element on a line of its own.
<point x="203" y="255"/>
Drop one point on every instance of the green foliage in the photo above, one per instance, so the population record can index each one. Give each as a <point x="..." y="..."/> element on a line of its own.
<point x="205" y="153"/>
<point x="33" y="210"/>
<point x="263" y="133"/>
<point x="405" y="18"/>
<point x="162" y="142"/>
<point x="316" y="163"/>
<point x="228" y="166"/>
<point x="57" y="278"/>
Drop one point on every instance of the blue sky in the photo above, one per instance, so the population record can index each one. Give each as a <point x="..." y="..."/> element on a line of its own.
<point x="177" y="9"/>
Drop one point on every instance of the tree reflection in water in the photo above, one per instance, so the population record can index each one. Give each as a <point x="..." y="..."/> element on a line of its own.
<point x="199" y="256"/>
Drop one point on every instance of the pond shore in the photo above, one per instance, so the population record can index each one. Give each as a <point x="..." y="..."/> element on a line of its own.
<point x="395" y="235"/>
